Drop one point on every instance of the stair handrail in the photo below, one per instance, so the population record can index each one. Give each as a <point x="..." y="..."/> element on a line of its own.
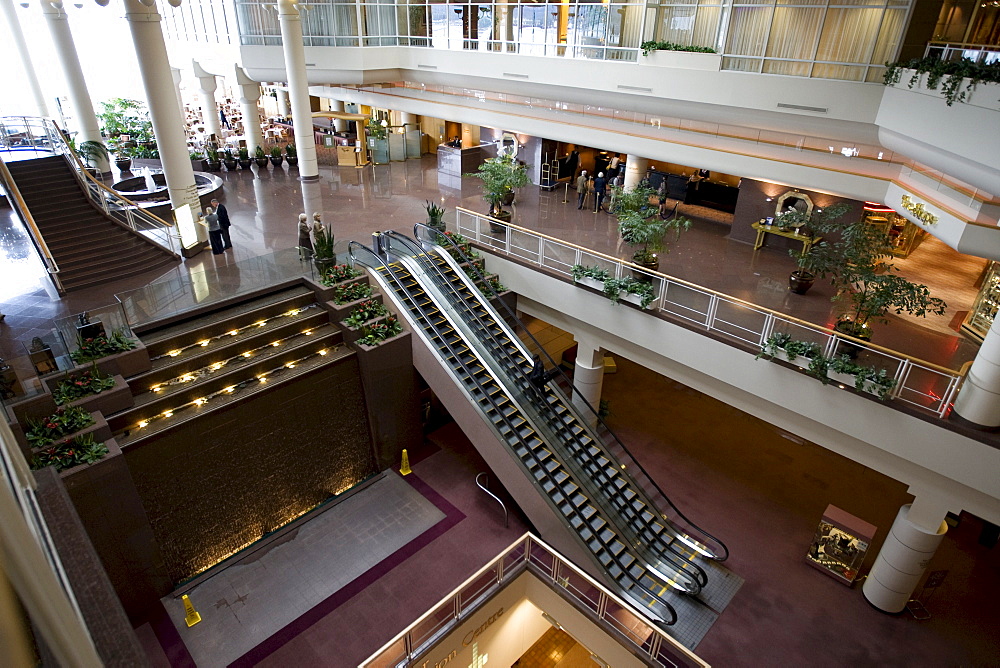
<point x="14" y="195"/>
<point x="383" y="262"/>
<point x="435" y="237"/>
<point x="486" y="488"/>
<point x="99" y="194"/>
<point x="666" y="553"/>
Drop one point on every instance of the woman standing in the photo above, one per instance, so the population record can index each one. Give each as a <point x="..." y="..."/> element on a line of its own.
<point x="305" y="240"/>
<point x="214" y="231"/>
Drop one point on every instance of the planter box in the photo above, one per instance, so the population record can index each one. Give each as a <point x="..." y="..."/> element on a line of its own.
<point x="78" y="472"/>
<point x="799" y="360"/>
<point x="352" y="334"/>
<point x="633" y="299"/>
<point x="127" y="364"/>
<point x="362" y="348"/>
<point x="340" y="311"/>
<point x="985" y="94"/>
<point x="324" y="293"/>
<point x="687" y="60"/>
<point x="593" y="283"/>
<point x="100" y="430"/>
<point x="112" y="400"/>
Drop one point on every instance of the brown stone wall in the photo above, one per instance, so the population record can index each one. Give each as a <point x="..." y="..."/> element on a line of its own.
<point x="215" y="485"/>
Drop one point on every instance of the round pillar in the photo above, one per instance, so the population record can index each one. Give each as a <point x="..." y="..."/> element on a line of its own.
<point x="979" y="399"/>
<point x="588" y="379"/>
<point x="14" y="26"/>
<point x="409" y="119"/>
<point x="312" y="198"/>
<point x="207" y="86"/>
<point x="298" y="88"/>
<point x="168" y="126"/>
<point x="901" y="562"/>
<point x="282" y="100"/>
<point x="635" y="171"/>
<point x="175" y="74"/>
<point x="339" y="124"/>
<point x="76" y="86"/>
<point x="249" y="97"/>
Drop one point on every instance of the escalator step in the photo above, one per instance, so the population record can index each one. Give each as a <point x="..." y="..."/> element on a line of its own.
<point x="616" y="547"/>
<point x="606" y="535"/>
<point x="548" y="486"/>
<point x="580" y="501"/>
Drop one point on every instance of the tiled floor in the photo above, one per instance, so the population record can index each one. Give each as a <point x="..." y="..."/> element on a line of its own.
<point x="264" y="207"/>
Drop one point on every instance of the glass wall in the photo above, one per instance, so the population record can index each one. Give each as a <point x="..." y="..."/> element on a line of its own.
<point x="830" y="39"/>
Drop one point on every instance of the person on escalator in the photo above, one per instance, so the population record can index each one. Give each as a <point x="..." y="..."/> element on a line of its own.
<point x="539" y="376"/>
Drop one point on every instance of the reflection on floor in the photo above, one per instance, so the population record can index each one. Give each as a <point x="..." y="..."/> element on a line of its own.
<point x="555" y="649"/>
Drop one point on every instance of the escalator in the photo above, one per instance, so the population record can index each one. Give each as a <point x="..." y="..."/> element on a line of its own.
<point x="566" y="496"/>
<point x="666" y="550"/>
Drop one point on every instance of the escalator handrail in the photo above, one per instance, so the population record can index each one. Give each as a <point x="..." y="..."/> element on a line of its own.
<point x="356" y="244"/>
<point x="666" y="553"/>
<point x="417" y="228"/>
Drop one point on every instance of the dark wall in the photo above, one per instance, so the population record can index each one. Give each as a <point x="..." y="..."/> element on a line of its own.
<point x="752" y="205"/>
<point x="213" y="486"/>
<point x="920" y="29"/>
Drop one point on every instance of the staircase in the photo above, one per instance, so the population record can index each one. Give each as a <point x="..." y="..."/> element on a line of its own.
<point x="90" y="248"/>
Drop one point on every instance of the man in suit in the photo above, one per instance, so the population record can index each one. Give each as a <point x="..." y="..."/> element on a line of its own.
<point x="220" y="211"/>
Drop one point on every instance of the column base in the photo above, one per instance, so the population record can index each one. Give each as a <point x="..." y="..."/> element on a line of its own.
<point x="309" y="178"/>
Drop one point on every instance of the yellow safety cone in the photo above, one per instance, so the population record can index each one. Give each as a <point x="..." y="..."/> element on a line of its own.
<point x="191" y="616"/>
<point x="404" y="468"/>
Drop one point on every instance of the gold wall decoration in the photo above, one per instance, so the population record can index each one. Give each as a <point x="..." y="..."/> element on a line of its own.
<point x="918" y="211"/>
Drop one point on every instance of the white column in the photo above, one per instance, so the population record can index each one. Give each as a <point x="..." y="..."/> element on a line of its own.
<point x="298" y="88"/>
<point x="408" y="119"/>
<point x="339" y="124"/>
<point x="76" y="85"/>
<point x="909" y="545"/>
<point x="282" y="100"/>
<point x="168" y="126"/>
<point x="312" y="199"/>
<point x="979" y="399"/>
<point x="249" y="97"/>
<point x="635" y="171"/>
<point x="14" y="26"/>
<point x="588" y="378"/>
<point x="175" y="74"/>
<point x="206" y="93"/>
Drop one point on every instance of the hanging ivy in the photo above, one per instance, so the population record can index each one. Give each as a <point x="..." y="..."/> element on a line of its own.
<point x="952" y="72"/>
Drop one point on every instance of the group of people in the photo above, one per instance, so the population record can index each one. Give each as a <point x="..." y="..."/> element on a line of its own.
<point x="307" y="232"/>
<point x="585" y="186"/>
<point x="217" y="220"/>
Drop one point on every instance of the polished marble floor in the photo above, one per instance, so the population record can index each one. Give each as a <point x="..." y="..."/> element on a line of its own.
<point x="264" y="205"/>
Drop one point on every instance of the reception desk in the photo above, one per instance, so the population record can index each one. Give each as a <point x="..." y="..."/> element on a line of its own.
<point x="457" y="161"/>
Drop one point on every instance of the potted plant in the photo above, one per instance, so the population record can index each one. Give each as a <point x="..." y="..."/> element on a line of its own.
<point x="260" y="157"/>
<point x="229" y="159"/>
<point x="324" y="255"/>
<point x="123" y="158"/>
<point x="82" y="449"/>
<point x="291" y="156"/>
<point x="276" y="157"/>
<point x="197" y="161"/>
<point x="592" y="277"/>
<point x="639" y="227"/>
<point x="92" y="152"/>
<point x="859" y="263"/>
<point x="500" y="177"/>
<point x="244" y="158"/>
<point x="212" y="162"/>
<point x="435" y="215"/>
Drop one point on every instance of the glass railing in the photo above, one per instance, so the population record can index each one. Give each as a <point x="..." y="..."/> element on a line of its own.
<point x="180" y="291"/>
<point x="919" y="384"/>
<point x="984" y="54"/>
<point x="618" y="619"/>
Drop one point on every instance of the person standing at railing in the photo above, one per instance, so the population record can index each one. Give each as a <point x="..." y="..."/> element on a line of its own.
<point x="223" y="214"/>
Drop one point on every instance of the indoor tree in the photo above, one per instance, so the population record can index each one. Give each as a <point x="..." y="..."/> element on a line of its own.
<point x="501" y="176"/>
<point x="639" y="225"/>
<point x="859" y="263"/>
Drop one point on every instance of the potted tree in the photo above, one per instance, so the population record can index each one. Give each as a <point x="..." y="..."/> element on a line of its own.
<point x="291" y="156"/>
<point x="276" y="157"/>
<point x="244" y="158"/>
<point x="809" y="264"/>
<point x="324" y="255"/>
<point x="859" y="263"/>
<point x="639" y="227"/>
<point x="229" y="159"/>
<point x="91" y="152"/>
<point x="435" y="216"/>
<point x="260" y="157"/>
<point x="500" y="177"/>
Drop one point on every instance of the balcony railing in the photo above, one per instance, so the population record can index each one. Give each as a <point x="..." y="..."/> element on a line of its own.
<point x="920" y="384"/>
<point x="983" y="54"/>
<point x="618" y="618"/>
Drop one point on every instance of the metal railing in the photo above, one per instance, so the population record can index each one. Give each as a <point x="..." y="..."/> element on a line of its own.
<point x="983" y="54"/>
<point x="920" y="384"/>
<point x="619" y="619"/>
<point x="485" y="486"/>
